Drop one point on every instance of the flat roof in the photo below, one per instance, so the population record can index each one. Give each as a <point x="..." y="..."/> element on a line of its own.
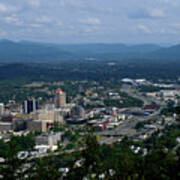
<point x="5" y="123"/>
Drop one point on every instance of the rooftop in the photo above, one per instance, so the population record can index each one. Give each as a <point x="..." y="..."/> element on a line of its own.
<point x="59" y="90"/>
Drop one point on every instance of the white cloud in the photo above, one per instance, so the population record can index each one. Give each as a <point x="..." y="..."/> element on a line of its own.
<point x="44" y="19"/>
<point x="91" y="29"/>
<point x="162" y="30"/>
<point x="13" y="20"/>
<point x="3" y="8"/>
<point x="147" y="13"/>
<point x="156" y="13"/>
<point x="71" y="3"/>
<point x="175" y="25"/>
<point x="62" y="3"/>
<point x="90" y="21"/>
<point x="83" y="5"/>
<point x="173" y="3"/>
<point x="36" y="25"/>
<point x="7" y="8"/>
<point x="34" y="3"/>
<point x="144" y="28"/>
<point x="59" y="23"/>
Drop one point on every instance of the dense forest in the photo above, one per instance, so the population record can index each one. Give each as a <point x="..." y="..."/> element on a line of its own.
<point x="90" y="70"/>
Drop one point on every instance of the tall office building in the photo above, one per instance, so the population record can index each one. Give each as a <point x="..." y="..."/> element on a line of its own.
<point x="1" y="108"/>
<point x="60" y="98"/>
<point x="30" y="105"/>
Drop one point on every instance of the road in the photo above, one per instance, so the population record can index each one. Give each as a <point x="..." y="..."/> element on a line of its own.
<point x="55" y="153"/>
<point x="128" y="126"/>
<point x="127" y="89"/>
<point x="147" y="100"/>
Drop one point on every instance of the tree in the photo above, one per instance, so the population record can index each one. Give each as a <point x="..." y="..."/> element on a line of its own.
<point x="177" y="111"/>
<point x="12" y="164"/>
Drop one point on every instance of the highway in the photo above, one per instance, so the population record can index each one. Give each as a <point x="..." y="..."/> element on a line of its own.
<point x="128" y="126"/>
<point x="147" y="100"/>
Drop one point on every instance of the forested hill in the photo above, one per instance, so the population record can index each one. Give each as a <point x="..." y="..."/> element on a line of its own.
<point x="28" y="52"/>
<point x="25" y="51"/>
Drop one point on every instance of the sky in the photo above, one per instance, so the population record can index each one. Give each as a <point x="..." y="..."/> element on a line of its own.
<point x="91" y="21"/>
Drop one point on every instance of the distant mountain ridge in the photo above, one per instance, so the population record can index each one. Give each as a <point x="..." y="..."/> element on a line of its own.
<point x="171" y="52"/>
<point x="21" y="52"/>
<point x="25" y="51"/>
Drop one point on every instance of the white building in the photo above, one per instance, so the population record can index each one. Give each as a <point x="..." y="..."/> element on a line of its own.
<point x="140" y="81"/>
<point x="1" y="109"/>
<point x="127" y="80"/>
<point x="50" y="139"/>
<point x="169" y="93"/>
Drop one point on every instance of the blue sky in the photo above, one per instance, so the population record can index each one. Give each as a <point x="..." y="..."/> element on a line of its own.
<point x="82" y="21"/>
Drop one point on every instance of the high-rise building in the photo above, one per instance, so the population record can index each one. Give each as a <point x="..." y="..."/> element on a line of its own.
<point x="1" y="108"/>
<point x="60" y="98"/>
<point x="30" y="105"/>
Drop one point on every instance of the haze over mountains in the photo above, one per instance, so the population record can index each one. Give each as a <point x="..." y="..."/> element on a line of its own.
<point x="25" y="51"/>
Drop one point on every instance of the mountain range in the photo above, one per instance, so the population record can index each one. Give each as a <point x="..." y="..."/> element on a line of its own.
<point x="25" y="51"/>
